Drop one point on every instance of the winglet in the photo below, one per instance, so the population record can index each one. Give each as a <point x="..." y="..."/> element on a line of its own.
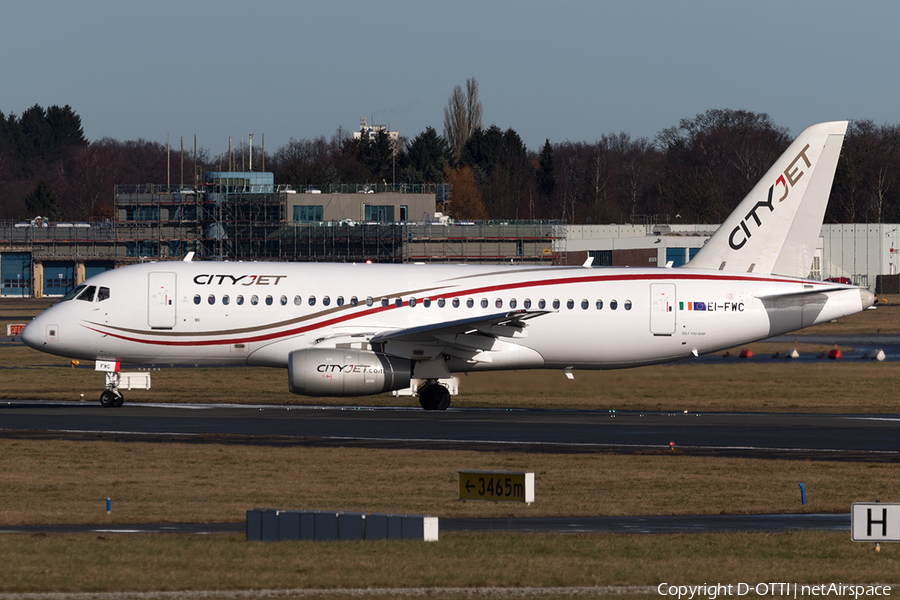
<point x="775" y="228"/>
<point x="189" y="256"/>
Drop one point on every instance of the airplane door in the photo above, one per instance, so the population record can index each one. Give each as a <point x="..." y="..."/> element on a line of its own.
<point x="662" y="308"/>
<point x="161" y="308"/>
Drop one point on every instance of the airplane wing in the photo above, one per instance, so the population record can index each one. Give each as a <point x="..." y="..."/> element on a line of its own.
<point x="505" y="324"/>
<point x="474" y="340"/>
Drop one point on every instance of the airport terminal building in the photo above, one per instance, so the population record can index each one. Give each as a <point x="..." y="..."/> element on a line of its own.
<point x="244" y="216"/>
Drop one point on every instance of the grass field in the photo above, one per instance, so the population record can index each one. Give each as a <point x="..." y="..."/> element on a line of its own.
<point x="91" y="562"/>
<point x="68" y="482"/>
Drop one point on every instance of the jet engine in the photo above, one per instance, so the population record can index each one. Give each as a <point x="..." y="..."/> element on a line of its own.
<point x="335" y="372"/>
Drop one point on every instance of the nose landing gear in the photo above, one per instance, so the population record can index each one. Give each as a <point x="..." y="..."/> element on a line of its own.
<point x="113" y="380"/>
<point x="111" y="396"/>
<point x="111" y="399"/>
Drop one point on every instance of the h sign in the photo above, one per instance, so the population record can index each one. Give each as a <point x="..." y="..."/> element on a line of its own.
<point x="875" y="522"/>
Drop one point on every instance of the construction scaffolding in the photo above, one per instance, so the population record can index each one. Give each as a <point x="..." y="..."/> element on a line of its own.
<point x="235" y="217"/>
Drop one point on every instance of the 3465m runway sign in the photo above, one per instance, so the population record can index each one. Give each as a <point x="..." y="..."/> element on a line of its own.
<point x="497" y="486"/>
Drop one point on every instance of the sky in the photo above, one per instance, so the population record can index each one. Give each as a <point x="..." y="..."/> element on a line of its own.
<point x="564" y="70"/>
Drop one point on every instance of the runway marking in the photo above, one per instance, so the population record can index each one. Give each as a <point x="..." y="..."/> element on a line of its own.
<point x="482" y="441"/>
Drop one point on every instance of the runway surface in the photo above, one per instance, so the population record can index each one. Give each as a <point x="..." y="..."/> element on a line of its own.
<point x="771" y="435"/>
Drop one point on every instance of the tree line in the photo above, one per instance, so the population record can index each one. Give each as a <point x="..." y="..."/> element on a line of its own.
<point x="696" y="171"/>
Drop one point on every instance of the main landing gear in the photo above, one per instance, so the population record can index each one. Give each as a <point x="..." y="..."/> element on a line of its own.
<point x="434" y="396"/>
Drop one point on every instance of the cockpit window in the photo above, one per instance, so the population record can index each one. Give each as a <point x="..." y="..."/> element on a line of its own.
<point x="73" y="293"/>
<point x="88" y="294"/>
<point x="103" y="294"/>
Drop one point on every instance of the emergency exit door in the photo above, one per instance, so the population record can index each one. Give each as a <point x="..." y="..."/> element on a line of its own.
<point x="662" y="308"/>
<point x="161" y="308"/>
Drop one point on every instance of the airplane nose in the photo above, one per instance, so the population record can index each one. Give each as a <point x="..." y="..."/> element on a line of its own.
<point x="31" y="335"/>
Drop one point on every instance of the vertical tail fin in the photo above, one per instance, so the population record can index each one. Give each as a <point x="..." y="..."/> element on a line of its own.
<point x="775" y="228"/>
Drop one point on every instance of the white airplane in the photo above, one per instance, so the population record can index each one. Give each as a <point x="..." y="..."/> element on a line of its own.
<point x="360" y="329"/>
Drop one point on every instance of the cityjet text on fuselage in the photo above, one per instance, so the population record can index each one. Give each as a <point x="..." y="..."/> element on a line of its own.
<point x="244" y="280"/>
<point x="331" y="368"/>
<point x="792" y="174"/>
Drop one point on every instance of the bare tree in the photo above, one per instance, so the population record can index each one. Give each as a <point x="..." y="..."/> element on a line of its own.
<point x="462" y="117"/>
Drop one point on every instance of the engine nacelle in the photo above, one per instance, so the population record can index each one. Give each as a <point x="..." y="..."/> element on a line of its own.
<point x="334" y="372"/>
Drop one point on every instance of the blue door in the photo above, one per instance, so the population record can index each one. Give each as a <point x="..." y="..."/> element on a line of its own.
<point x="15" y="274"/>
<point x="59" y="277"/>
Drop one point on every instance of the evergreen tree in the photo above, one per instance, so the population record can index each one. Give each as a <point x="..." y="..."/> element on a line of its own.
<point x="42" y="201"/>
<point x="428" y="156"/>
<point x="545" y="176"/>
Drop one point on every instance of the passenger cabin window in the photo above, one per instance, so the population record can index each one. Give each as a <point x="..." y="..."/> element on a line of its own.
<point x="240" y="300"/>
<point x="254" y="300"/>
<point x="196" y="298"/>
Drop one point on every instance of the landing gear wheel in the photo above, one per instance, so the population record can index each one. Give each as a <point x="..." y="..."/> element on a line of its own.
<point x="110" y="399"/>
<point x="434" y="396"/>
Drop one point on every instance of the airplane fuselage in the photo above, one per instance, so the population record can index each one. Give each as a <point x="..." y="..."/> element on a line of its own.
<point x="592" y="318"/>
